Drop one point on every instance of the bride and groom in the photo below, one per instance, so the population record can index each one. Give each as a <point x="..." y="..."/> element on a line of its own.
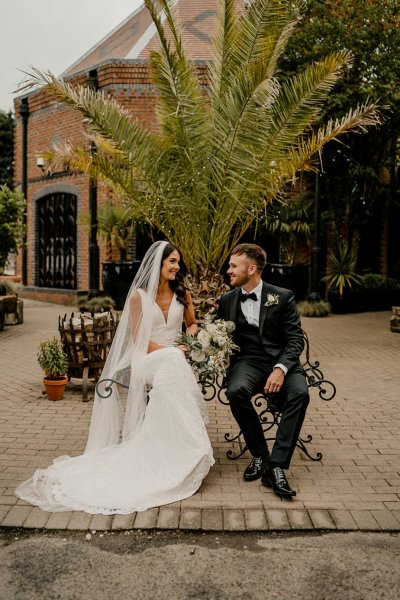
<point x="165" y="452"/>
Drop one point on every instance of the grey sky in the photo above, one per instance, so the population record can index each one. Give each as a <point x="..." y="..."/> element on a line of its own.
<point x="51" y="34"/>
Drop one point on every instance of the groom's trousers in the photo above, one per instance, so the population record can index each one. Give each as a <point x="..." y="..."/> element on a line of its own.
<point x="247" y="378"/>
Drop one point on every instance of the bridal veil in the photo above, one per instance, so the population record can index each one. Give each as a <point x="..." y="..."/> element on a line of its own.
<point x="126" y="355"/>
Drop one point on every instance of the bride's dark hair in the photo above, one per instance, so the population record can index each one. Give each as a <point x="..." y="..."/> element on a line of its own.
<point x="177" y="284"/>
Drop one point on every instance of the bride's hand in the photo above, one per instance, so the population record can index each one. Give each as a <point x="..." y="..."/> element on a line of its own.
<point x="183" y="348"/>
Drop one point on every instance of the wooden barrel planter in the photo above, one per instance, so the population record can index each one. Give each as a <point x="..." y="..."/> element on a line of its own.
<point x="87" y="339"/>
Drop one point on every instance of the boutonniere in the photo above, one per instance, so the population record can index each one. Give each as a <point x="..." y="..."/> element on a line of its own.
<point x="272" y="299"/>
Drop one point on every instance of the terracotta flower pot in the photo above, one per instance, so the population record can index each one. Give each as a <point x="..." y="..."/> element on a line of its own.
<point x="55" y="387"/>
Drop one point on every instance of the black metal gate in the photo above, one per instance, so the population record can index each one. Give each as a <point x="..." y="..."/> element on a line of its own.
<point x="57" y="241"/>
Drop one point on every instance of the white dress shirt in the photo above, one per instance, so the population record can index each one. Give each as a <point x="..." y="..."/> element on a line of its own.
<point x="251" y="311"/>
<point x="251" y="308"/>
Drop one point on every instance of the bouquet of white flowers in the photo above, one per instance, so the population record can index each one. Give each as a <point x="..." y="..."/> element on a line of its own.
<point x="209" y="351"/>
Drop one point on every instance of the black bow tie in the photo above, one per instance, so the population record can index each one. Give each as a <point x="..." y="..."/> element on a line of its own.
<point x="244" y="297"/>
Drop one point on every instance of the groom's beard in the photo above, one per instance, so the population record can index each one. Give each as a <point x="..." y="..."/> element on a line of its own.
<point x="239" y="281"/>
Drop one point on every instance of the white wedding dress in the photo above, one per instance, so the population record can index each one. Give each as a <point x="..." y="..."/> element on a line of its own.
<point x="165" y="461"/>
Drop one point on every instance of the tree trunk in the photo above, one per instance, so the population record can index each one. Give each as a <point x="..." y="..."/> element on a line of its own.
<point x="205" y="288"/>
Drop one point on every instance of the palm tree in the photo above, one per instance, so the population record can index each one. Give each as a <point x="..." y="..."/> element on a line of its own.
<point x="219" y="155"/>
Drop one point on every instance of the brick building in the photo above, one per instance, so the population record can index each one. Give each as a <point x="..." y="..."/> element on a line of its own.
<point x="56" y="259"/>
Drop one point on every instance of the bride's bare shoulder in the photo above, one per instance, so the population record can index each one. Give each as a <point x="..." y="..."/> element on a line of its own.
<point x="137" y="298"/>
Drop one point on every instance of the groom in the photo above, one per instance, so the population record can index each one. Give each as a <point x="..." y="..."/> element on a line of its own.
<point x="269" y="335"/>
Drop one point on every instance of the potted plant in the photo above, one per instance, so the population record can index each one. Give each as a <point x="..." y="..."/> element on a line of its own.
<point x="116" y="224"/>
<point x="53" y="361"/>
<point x="290" y="224"/>
<point x="340" y="277"/>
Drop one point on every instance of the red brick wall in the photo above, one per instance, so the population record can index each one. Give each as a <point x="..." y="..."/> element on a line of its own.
<point x="51" y="122"/>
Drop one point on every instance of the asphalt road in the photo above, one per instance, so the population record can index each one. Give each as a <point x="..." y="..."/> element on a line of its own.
<point x="180" y="566"/>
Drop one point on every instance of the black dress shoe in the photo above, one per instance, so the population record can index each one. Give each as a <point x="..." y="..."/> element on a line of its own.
<point x="275" y="478"/>
<point x="255" y="468"/>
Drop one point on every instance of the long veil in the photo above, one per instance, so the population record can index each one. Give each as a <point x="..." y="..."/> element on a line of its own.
<point x="126" y="355"/>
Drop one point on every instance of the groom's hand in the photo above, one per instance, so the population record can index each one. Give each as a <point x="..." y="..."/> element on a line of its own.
<point x="274" y="381"/>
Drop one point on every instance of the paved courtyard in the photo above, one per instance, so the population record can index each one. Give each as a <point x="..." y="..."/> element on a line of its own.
<point x="356" y="486"/>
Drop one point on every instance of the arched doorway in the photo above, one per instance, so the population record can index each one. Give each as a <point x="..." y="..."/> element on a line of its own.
<point x="56" y="214"/>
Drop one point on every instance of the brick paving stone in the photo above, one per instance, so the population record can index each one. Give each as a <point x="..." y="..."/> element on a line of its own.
<point x="16" y="516"/>
<point x="299" y="519"/>
<point x="146" y="519"/>
<point x="37" y="518"/>
<point x="234" y="520"/>
<point x="386" y="520"/>
<point x="101" y="522"/>
<point x="255" y="519"/>
<point x="58" y="520"/>
<point x="277" y="519"/>
<point x="321" y="519"/>
<point x="8" y="500"/>
<point x="343" y="520"/>
<point x="396" y="514"/>
<point x="126" y="521"/>
<point x="190" y="518"/>
<point x="358" y="475"/>
<point x="212" y="519"/>
<point x="3" y="511"/>
<point x="168" y="518"/>
<point x="365" y="520"/>
<point x="80" y="521"/>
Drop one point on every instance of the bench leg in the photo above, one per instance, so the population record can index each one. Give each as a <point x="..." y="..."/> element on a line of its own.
<point x="268" y="423"/>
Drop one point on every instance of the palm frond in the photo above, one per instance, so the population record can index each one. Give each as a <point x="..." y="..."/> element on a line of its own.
<point x="222" y="155"/>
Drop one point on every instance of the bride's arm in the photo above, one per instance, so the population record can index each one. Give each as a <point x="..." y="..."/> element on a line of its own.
<point x="135" y="310"/>
<point x="189" y="317"/>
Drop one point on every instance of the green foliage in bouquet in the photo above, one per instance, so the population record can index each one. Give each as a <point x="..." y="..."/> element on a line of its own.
<point x="210" y="350"/>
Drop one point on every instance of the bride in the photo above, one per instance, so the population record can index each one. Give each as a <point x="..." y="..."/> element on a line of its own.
<point x="165" y="452"/>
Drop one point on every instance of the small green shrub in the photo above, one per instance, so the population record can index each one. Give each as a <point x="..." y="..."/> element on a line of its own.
<point x="52" y="359"/>
<point x="314" y="309"/>
<point x="12" y="206"/>
<point x="96" y="304"/>
<point x="375" y="282"/>
<point x="8" y="288"/>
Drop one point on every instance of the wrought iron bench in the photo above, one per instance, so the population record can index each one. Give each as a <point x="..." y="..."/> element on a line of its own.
<point x="270" y="404"/>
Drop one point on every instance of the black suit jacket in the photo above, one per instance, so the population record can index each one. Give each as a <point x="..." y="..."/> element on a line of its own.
<point x="280" y="326"/>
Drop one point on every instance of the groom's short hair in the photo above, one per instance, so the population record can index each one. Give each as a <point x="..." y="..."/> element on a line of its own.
<point x="253" y="252"/>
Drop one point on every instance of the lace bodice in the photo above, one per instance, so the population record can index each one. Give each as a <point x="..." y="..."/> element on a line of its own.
<point x="165" y="332"/>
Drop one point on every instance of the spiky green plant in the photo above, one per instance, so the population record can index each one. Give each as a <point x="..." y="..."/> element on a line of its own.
<point x="115" y="222"/>
<point x="341" y="272"/>
<point x="290" y="224"/>
<point x="219" y="154"/>
<point x="52" y="359"/>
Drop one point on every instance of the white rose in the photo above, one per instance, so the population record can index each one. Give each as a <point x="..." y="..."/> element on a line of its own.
<point x="198" y="356"/>
<point x="212" y="328"/>
<point x="219" y="340"/>
<point x="204" y="337"/>
<point x="230" y="326"/>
